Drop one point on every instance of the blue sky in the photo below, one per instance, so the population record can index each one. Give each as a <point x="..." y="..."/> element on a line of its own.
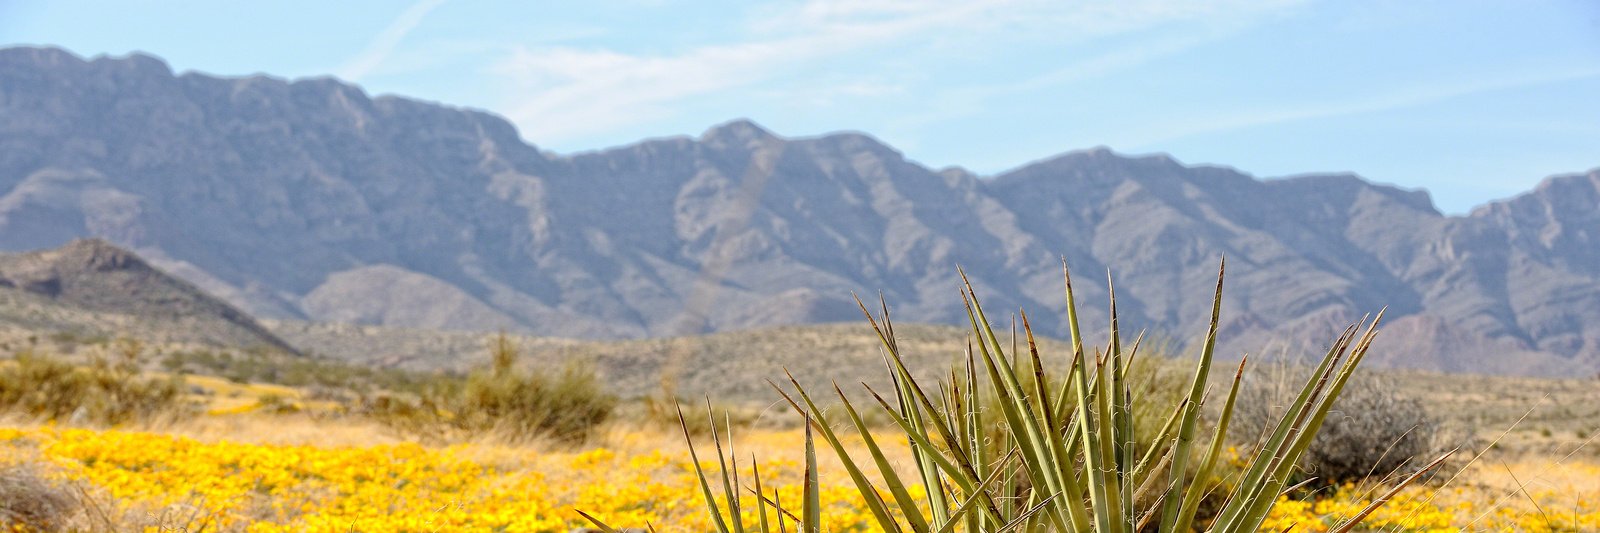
<point x="1473" y="100"/>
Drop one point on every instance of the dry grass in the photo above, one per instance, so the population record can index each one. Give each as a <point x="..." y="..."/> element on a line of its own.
<point x="31" y="501"/>
<point x="1546" y="417"/>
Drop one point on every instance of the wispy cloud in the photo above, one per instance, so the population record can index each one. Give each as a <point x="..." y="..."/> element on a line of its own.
<point x="383" y="45"/>
<point x="974" y="99"/>
<point x="567" y="92"/>
<point x="1402" y="98"/>
<point x="575" y="92"/>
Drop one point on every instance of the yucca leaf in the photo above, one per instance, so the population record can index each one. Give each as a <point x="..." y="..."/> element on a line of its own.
<point x="914" y="403"/>
<point x="975" y="434"/>
<point x="811" y="509"/>
<point x="597" y="523"/>
<point x="1324" y="404"/>
<point x="1062" y="446"/>
<point x="1250" y="484"/>
<point x="1253" y="484"/>
<point x="777" y="503"/>
<point x="1133" y="354"/>
<point x="905" y="392"/>
<point x="1191" y="415"/>
<point x="1036" y="454"/>
<point x="1353" y="521"/>
<point x="1016" y="407"/>
<point x="1093" y="461"/>
<point x="816" y="417"/>
<point x="891" y="479"/>
<point x="957" y="473"/>
<point x="778" y="508"/>
<point x="727" y="475"/>
<point x="965" y="509"/>
<point x="1105" y="430"/>
<point x="1197" y="489"/>
<point x="1143" y="467"/>
<point x="1309" y="410"/>
<point x="926" y="469"/>
<point x="705" y="485"/>
<point x="1122" y="409"/>
<point x="1028" y="515"/>
<point x="761" y="503"/>
<point x="1154" y="484"/>
<point x="1064" y="398"/>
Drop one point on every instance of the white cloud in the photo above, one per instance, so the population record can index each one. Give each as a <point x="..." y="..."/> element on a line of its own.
<point x="566" y="92"/>
<point x="381" y="46"/>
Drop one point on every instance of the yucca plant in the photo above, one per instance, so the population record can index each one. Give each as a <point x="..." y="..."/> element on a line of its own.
<point x="1066" y="459"/>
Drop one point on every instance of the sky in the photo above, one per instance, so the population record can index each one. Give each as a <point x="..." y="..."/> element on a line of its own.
<point x="1472" y="100"/>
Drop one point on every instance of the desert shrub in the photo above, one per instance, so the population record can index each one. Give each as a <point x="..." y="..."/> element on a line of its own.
<point x="29" y="502"/>
<point x="106" y="391"/>
<point x="516" y="405"/>
<point x="564" y="405"/>
<point x="277" y="405"/>
<point x="1374" y="429"/>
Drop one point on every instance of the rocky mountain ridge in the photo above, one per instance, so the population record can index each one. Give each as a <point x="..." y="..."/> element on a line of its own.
<point x="310" y="200"/>
<point x="89" y="288"/>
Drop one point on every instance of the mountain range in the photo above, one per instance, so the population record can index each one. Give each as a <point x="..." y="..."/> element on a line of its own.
<point x="311" y="200"/>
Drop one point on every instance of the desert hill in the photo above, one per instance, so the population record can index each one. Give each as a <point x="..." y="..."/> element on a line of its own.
<point x="92" y="289"/>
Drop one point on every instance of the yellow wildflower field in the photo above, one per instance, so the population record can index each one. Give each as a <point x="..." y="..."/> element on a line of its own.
<point x="162" y="482"/>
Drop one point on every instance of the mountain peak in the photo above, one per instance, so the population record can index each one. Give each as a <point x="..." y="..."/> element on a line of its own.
<point x="740" y="130"/>
<point x="1581" y="181"/>
<point x="1106" y="155"/>
<point x="1571" y="196"/>
<point x="98" y="255"/>
<point x="79" y="256"/>
<point x="139" y="62"/>
<point x="38" y="55"/>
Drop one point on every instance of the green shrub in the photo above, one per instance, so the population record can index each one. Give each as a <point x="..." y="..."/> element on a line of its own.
<point x="1072" y="440"/>
<point x="106" y="392"/>
<point x="512" y="404"/>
